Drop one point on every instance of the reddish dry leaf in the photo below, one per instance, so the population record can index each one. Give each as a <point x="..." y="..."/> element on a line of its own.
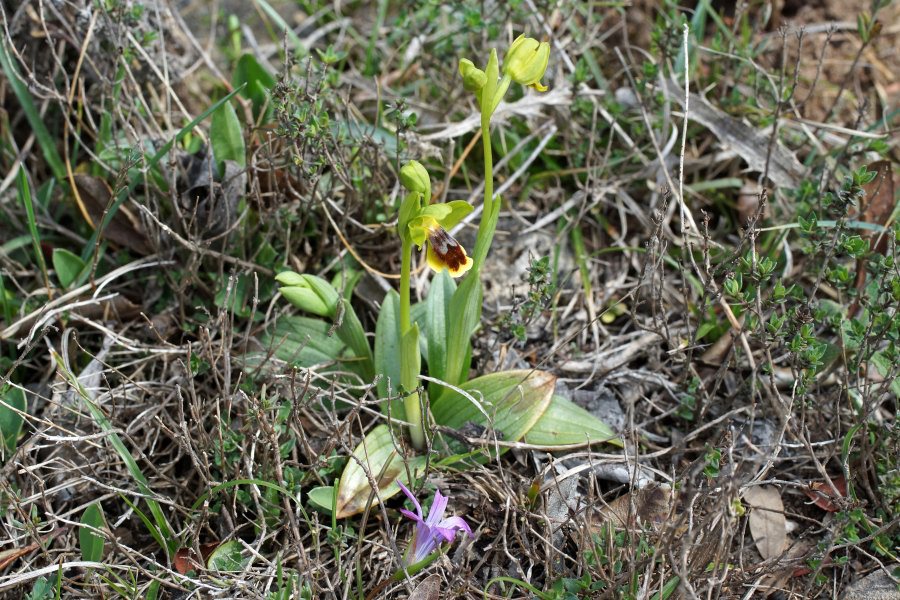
<point x="822" y="495"/>
<point x="186" y="559"/>
<point x="767" y="523"/>
<point x="7" y="557"/>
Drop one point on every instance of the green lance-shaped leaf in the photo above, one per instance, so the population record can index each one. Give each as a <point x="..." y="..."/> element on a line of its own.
<point x="256" y="82"/>
<point x="439" y="324"/>
<point x="226" y="138"/>
<point x="352" y="333"/>
<point x="226" y="558"/>
<point x="564" y="422"/>
<point x="510" y="402"/>
<point x="387" y="349"/>
<point x="68" y="266"/>
<point x="464" y="313"/>
<point x="12" y="405"/>
<point x="89" y="540"/>
<point x="378" y="454"/>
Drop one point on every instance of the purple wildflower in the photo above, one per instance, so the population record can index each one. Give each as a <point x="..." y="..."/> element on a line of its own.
<point x="433" y="531"/>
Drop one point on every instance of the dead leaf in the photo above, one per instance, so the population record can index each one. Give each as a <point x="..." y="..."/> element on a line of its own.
<point x="748" y="142"/>
<point x="429" y="589"/>
<point x="94" y="197"/>
<point x="187" y="559"/>
<point x="652" y="504"/>
<point x="767" y="523"/>
<point x="209" y="202"/>
<point x="791" y="565"/>
<point x="823" y="495"/>
<point x="7" y="557"/>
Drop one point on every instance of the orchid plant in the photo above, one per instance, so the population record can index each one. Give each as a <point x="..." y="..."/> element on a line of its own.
<point x="514" y="404"/>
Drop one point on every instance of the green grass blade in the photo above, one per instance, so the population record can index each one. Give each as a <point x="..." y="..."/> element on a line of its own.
<point x="28" y="203"/>
<point x="282" y="25"/>
<point x="45" y="140"/>
<point x="103" y="422"/>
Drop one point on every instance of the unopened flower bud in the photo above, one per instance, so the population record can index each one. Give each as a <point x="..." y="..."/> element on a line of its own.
<point x="308" y="292"/>
<point x="473" y="77"/>
<point x="415" y="178"/>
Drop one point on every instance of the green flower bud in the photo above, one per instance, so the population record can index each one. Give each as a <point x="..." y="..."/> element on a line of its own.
<point x="309" y="293"/>
<point x="526" y="62"/>
<point x="415" y="178"/>
<point x="473" y="77"/>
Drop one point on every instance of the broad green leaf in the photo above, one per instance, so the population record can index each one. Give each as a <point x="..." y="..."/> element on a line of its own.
<point x="322" y="498"/>
<point x="418" y="314"/>
<point x="464" y="314"/>
<point x="226" y="138"/>
<point x="11" y="400"/>
<point x="258" y="82"/>
<point x="91" y="542"/>
<point x="226" y="558"/>
<point x="238" y="296"/>
<point x="387" y="350"/>
<point x="352" y="333"/>
<point x="564" y="422"/>
<point x="67" y="265"/>
<point x="510" y="402"/>
<point x="306" y="342"/>
<point x="437" y="313"/>
<point x="378" y="452"/>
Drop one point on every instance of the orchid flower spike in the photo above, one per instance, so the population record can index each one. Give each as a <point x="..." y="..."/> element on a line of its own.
<point x="432" y="531"/>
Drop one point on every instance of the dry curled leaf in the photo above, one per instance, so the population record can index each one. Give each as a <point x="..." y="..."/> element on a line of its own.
<point x="823" y="495"/>
<point x="767" y="523"/>
<point x="8" y="557"/>
<point x="187" y="559"/>
<point x="429" y="589"/>
<point x="94" y="197"/>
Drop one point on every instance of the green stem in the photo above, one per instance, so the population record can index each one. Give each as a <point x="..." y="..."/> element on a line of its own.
<point x="485" y="228"/>
<point x="408" y="382"/>
<point x="405" y="273"/>
<point x="488" y="169"/>
<point x="488" y="223"/>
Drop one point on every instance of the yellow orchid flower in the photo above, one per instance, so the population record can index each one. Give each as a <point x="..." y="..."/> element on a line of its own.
<point x="443" y="252"/>
<point x="526" y="62"/>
